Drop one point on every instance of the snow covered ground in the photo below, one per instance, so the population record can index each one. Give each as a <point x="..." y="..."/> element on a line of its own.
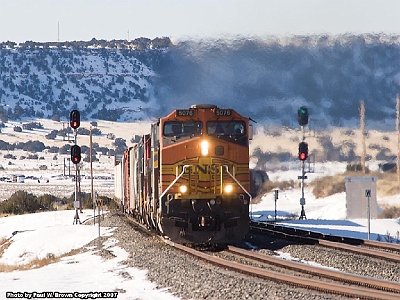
<point x="53" y="234"/>
<point x="326" y="215"/>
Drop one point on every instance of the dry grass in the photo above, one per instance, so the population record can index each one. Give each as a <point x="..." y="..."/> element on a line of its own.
<point x="387" y="184"/>
<point x="268" y="186"/>
<point x="390" y="212"/>
<point x="34" y="264"/>
<point x="4" y="244"/>
<point x="328" y="185"/>
<point x="37" y="263"/>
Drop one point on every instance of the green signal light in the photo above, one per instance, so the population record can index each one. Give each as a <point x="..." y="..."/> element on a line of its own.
<point x="302" y="116"/>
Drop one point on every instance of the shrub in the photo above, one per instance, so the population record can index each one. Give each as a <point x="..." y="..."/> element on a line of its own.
<point x="10" y="156"/>
<point x="52" y="135"/>
<point x="20" y="202"/>
<point x="96" y="131"/>
<point x="64" y="149"/>
<point x="83" y="131"/>
<point x="268" y="186"/>
<point x="32" y="125"/>
<point x="356" y="168"/>
<point x="54" y="149"/>
<point x="47" y="201"/>
<point x="328" y="185"/>
<point x="85" y="198"/>
<point x="32" y="146"/>
<point x="390" y="212"/>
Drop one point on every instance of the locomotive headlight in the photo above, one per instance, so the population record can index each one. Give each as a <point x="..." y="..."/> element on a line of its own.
<point x="228" y="188"/>
<point x="204" y="148"/>
<point x="183" y="189"/>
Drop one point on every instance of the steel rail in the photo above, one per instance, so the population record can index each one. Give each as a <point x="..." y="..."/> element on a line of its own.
<point x="328" y="273"/>
<point x="362" y="250"/>
<point x="382" y="245"/>
<point x="343" y="243"/>
<point x="332" y="288"/>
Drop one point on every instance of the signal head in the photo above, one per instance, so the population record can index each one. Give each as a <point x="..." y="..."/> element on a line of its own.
<point x="75" y="154"/>
<point x="75" y="119"/>
<point x="303" y="151"/>
<point x="302" y="116"/>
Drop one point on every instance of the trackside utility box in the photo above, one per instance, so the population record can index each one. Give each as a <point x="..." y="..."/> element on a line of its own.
<point x="361" y="192"/>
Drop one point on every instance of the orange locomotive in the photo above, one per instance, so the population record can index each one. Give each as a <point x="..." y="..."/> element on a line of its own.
<point x="189" y="178"/>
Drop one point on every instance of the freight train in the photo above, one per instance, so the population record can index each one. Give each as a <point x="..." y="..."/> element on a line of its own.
<point x="189" y="178"/>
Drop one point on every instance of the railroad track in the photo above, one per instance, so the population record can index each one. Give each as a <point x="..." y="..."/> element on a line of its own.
<point x="339" y="283"/>
<point x="381" y="250"/>
<point x="294" y="274"/>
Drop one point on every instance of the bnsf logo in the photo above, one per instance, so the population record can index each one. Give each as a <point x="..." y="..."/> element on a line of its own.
<point x="204" y="168"/>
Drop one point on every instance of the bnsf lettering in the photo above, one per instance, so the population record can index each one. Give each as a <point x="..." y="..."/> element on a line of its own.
<point x="205" y="169"/>
<point x="222" y="112"/>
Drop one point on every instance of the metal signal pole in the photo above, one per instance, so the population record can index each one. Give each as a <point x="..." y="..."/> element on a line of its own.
<point x="91" y="176"/>
<point x="303" y="176"/>
<point x="398" y="136"/>
<point x="362" y="129"/>
<point x="302" y="116"/>
<point x="76" y="200"/>
<point x="74" y="120"/>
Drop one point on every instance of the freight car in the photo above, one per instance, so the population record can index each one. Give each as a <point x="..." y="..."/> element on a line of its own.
<point x="189" y="177"/>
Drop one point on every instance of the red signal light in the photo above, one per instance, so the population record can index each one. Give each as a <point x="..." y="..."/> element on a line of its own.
<point x="75" y="119"/>
<point x="303" y="151"/>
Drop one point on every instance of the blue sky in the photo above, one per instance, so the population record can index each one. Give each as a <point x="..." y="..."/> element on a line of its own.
<point x="22" y="20"/>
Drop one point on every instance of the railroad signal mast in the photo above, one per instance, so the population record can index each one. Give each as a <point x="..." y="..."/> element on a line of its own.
<point x="75" y="122"/>
<point x="302" y="117"/>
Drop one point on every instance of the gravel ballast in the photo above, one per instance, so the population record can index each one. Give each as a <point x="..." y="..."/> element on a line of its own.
<point x="189" y="278"/>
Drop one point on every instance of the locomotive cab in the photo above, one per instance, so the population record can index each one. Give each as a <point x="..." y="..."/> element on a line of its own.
<point x="204" y="175"/>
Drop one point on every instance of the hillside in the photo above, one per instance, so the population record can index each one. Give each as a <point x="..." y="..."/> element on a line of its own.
<point x="124" y="85"/>
<point x="264" y="79"/>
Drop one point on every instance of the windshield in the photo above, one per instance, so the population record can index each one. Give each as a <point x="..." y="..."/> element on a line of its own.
<point x="237" y="128"/>
<point x="188" y="128"/>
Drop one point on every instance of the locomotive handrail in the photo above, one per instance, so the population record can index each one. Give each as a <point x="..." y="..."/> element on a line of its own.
<point x="239" y="184"/>
<point x="175" y="180"/>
